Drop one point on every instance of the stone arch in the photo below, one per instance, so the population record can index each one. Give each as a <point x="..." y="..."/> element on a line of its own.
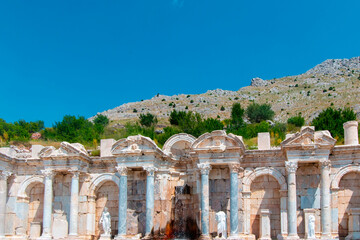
<point x="28" y="182"/>
<point x="178" y="138"/>
<point x="100" y="180"/>
<point x="231" y="140"/>
<point x="342" y="172"/>
<point x="264" y="171"/>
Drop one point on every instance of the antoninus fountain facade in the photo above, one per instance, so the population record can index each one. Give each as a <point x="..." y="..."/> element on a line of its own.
<point x="175" y="192"/>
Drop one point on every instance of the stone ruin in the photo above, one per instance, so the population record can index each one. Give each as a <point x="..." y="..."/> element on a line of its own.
<point x="176" y="192"/>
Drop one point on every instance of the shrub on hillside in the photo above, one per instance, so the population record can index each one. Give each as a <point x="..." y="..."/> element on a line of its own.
<point x="148" y="119"/>
<point x="259" y="112"/>
<point x="298" y="121"/>
<point x="333" y="120"/>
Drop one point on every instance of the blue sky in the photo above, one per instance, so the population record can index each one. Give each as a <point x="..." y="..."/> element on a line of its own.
<point x="83" y="57"/>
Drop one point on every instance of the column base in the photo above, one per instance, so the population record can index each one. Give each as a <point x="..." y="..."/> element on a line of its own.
<point x="236" y="237"/>
<point x="327" y="237"/>
<point x="73" y="237"/>
<point x="205" y="237"/>
<point x="105" y="237"/>
<point x="124" y="237"/>
<point x="292" y="237"/>
<point x="45" y="237"/>
<point x="265" y="238"/>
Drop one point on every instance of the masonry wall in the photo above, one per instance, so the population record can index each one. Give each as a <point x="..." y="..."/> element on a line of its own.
<point x="348" y="197"/>
<point x="265" y="195"/>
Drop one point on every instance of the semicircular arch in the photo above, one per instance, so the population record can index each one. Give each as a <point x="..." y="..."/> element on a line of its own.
<point x="264" y="171"/>
<point x="28" y="182"/>
<point x="100" y="180"/>
<point x="342" y="172"/>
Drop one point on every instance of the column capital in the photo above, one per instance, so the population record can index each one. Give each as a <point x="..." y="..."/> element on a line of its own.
<point x="48" y="173"/>
<point x="204" y="168"/>
<point x="5" y="175"/>
<point x="235" y="168"/>
<point x="75" y="172"/>
<point x="325" y="165"/>
<point x="150" y="170"/>
<point x="122" y="170"/>
<point x="291" y="167"/>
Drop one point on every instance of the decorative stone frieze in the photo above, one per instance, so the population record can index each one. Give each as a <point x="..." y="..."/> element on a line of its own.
<point x="204" y="168"/>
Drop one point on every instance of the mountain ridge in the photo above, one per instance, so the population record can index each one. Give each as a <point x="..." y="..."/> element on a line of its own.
<point x="334" y="82"/>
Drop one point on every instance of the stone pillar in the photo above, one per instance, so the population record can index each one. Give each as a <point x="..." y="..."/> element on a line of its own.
<point x="283" y="212"/>
<point x="74" y="203"/>
<point x="351" y="133"/>
<point x="149" y="199"/>
<point x="265" y="227"/>
<point x="3" y="196"/>
<point x="48" y="199"/>
<point x="204" y="170"/>
<point x="247" y="213"/>
<point x="122" y="170"/>
<point x="354" y="224"/>
<point x="234" y="200"/>
<point x="291" y="168"/>
<point x="325" y="200"/>
<point x="334" y="213"/>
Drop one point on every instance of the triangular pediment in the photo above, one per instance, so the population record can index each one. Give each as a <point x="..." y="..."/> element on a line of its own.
<point x="307" y="137"/>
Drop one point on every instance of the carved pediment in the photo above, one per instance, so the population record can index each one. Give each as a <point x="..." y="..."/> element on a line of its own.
<point x="66" y="149"/>
<point x="134" y="145"/>
<point x="218" y="141"/>
<point x="307" y="137"/>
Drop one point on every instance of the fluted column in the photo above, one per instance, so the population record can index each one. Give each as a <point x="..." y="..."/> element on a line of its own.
<point x="325" y="200"/>
<point x="122" y="170"/>
<point x="234" y="199"/>
<point x="74" y="203"/>
<point x="149" y="199"/>
<point x="48" y="199"/>
<point x="291" y="168"/>
<point x="204" y="170"/>
<point x="3" y="195"/>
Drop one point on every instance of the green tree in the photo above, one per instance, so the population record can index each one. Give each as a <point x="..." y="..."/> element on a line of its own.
<point x="257" y="113"/>
<point x="176" y="117"/>
<point x="237" y="114"/>
<point x="148" y="119"/>
<point x="333" y="120"/>
<point x="101" y="120"/>
<point x="298" y="121"/>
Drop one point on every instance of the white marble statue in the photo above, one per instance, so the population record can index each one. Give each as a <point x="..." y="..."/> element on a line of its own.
<point x="221" y="226"/>
<point x="105" y="220"/>
<point x="311" y="227"/>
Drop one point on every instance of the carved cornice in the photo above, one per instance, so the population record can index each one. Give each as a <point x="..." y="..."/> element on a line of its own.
<point x="150" y="170"/>
<point x="325" y="165"/>
<point x="204" y="168"/>
<point x="48" y="173"/>
<point x="122" y="170"/>
<point x="291" y="167"/>
<point x="4" y="175"/>
<point x="235" y="168"/>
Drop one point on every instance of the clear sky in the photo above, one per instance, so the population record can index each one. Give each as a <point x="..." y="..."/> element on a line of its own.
<point x="83" y="57"/>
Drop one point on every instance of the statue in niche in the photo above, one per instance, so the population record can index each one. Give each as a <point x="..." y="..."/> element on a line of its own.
<point x="221" y="226"/>
<point x="311" y="227"/>
<point x="105" y="220"/>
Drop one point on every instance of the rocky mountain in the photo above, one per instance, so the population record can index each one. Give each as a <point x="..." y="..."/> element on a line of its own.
<point x="334" y="82"/>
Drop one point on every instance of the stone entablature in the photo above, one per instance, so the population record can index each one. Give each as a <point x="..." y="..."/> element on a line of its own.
<point x="176" y="191"/>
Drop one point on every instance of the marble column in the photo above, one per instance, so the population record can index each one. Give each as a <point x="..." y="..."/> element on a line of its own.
<point x="48" y="201"/>
<point x="74" y="203"/>
<point x="325" y="200"/>
<point x="122" y="170"/>
<point x="234" y="199"/>
<point x="204" y="170"/>
<point x="247" y="214"/>
<point x="291" y="168"/>
<point x="149" y="199"/>
<point x="3" y="196"/>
